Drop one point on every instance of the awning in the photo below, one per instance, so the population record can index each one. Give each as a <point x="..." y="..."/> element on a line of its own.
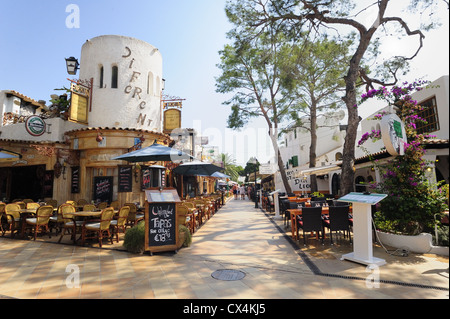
<point x="323" y="170"/>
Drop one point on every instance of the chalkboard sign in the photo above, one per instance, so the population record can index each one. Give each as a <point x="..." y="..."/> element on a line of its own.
<point x="75" y="180"/>
<point x="161" y="223"/>
<point x="103" y="189"/>
<point x="125" y="179"/>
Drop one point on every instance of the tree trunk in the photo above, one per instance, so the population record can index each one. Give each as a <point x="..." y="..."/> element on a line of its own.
<point x="313" y="146"/>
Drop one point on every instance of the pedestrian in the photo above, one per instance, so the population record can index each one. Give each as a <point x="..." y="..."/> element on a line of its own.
<point x="242" y="191"/>
<point x="235" y="191"/>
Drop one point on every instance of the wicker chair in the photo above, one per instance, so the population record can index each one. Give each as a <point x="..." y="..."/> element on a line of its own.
<point x="82" y="202"/>
<point x="185" y="217"/>
<point x="102" y="205"/>
<point x="311" y="220"/>
<point x="13" y="217"/>
<point x="53" y="202"/>
<point x="338" y="220"/>
<point x="115" y="204"/>
<point x="89" y="208"/>
<point x="121" y="221"/>
<point x="133" y="216"/>
<point x="70" y="225"/>
<point x="42" y="218"/>
<point x="98" y="227"/>
<point x="33" y="205"/>
<point x="195" y="216"/>
<point x="2" y="217"/>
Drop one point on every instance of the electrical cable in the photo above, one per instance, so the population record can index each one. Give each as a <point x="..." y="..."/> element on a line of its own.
<point x="401" y="252"/>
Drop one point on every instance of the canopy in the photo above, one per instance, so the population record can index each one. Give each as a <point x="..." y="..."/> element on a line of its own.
<point x="154" y="152"/>
<point x="197" y="168"/>
<point x="5" y="154"/>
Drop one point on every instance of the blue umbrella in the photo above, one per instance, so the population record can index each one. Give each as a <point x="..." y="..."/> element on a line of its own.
<point x="220" y="175"/>
<point x="196" y="168"/>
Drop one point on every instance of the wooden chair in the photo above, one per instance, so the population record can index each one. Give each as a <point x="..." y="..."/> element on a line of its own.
<point x="70" y="225"/>
<point x="42" y="218"/>
<point x="28" y="200"/>
<point x="121" y="221"/>
<point x="98" y="227"/>
<point x="13" y="217"/>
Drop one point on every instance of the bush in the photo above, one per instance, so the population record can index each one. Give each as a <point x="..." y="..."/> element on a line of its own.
<point x="135" y="238"/>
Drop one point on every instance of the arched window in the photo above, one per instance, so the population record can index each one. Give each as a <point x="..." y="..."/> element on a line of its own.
<point x="150" y="83"/>
<point x="114" y="77"/>
<point x="338" y="156"/>
<point x="101" y="77"/>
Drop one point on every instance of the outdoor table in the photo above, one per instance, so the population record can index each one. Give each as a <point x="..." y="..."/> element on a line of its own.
<point x="298" y="212"/>
<point x="24" y="213"/>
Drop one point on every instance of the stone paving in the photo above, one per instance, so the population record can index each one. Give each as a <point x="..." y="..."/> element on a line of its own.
<point x="238" y="237"/>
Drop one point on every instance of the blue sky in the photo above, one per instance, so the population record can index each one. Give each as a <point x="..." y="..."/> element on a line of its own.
<point x="34" y="40"/>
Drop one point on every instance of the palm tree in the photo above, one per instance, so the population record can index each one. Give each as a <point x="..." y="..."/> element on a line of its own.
<point x="229" y="166"/>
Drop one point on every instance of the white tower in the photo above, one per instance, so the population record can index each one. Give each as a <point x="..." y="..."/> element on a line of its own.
<point x="127" y="78"/>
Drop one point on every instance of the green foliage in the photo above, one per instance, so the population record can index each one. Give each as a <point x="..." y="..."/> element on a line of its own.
<point x="412" y="202"/>
<point x="187" y="235"/>
<point x="135" y="238"/>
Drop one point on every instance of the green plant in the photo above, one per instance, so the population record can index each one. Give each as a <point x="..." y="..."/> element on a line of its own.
<point x="187" y="235"/>
<point x="135" y="238"/>
<point x="318" y="194"/>
<point x="412" y="201"/>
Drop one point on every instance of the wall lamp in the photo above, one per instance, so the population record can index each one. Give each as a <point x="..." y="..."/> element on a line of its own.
<point x="72" y="65"/>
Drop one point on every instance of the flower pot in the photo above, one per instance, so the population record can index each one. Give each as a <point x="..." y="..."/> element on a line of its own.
<point x="419" y="244"/>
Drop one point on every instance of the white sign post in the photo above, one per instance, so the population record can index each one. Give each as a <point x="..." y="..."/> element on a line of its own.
<point x="276" y="203"/>
<point x="362" y="228"/>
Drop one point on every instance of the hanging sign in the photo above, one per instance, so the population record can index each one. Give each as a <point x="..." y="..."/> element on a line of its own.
<point x="79" y="103"/>
<point x="35" y="125"/>
<point x="172" y="119"/>
<point x="393" y="134"/>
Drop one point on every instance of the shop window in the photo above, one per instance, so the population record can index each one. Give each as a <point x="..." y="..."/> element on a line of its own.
<point x="114" y="77"/>
<point x="430" y="115"/>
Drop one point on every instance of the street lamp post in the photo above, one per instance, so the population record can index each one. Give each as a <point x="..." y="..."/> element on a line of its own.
<point x="254" y="161"/>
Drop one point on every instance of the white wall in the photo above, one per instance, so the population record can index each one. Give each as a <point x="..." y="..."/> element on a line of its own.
<point x="135" y="103"/>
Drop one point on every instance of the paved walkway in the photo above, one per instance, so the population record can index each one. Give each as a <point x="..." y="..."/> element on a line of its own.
<point x="238" y="237"/>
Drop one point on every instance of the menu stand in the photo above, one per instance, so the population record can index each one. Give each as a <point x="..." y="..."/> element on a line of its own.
<point x="362" y="228"/>
<point x="161" y="222"/>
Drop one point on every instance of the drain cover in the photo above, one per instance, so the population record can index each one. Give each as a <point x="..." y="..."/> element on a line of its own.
<point x="228" y="274"/>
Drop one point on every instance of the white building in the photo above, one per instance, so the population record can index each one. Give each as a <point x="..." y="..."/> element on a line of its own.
<point x="331" y="141"/>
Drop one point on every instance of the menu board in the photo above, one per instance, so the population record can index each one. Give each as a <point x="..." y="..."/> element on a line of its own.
<point x="161" y="233"/>
<point x="366" y="198"/>
<point x="103" y="188"/>
<point x="125" y="179"/>
<point x="75" y="180"/>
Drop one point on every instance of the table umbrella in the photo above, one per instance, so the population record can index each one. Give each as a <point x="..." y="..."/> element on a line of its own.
<point x="220" y="175"/>
<point x="197" y="168"/>
<point x="154" y="152"/>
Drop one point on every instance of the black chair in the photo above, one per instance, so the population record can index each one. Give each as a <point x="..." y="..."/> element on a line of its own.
<point x="338" y="219"/>
<point x="309" y="221"/>
<point x="321" y="203"/>
<point x="284" y="205"/>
